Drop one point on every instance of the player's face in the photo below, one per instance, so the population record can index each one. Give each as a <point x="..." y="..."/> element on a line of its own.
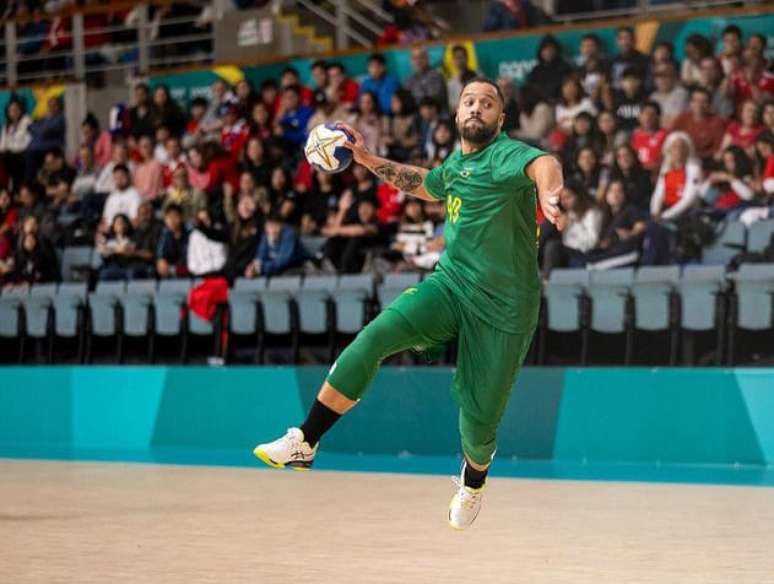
<point x="480" y="113"/>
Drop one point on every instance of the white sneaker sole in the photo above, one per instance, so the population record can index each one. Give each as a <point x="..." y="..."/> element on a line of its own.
<point x="261" y="455"/>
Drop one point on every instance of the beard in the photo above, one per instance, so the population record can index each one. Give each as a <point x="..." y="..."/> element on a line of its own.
<point x="475" y="131"/>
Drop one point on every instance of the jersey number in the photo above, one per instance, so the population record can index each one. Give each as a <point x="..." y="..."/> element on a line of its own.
<point x="453" y="206"/>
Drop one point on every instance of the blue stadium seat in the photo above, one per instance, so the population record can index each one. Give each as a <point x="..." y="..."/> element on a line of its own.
<point x="611" y="310"/>
<point x="730" y="241"/>
<point x="564" y="307"/>
<point x="70" y="313"/>
<point x="656" y="303"/>
<point x="352" y="301"/>
<point x="752" y="303"/>
<point x="12" y="316"/>
<point x="313" y="244"/>
<point x="244" y="314"/>
<point x="39" y="315"/>
<point x="104" y="318"/>
<point x="314" y="304"/>
<point x="280" y="310"/>
<point x="137" y="306"/>
<point x="759" y="235"/>
<point x="394" y="285"/>
<point x="75" y="259"/>
<point x="702" y="302"/>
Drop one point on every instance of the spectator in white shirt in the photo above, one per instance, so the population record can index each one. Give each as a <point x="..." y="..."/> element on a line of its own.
<point x="124" y="199"/>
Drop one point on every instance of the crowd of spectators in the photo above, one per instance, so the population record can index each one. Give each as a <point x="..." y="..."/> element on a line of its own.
<point x="653" y="151"/>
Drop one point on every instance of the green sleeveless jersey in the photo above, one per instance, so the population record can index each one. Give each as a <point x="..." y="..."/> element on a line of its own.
<point x="490" y="262"/>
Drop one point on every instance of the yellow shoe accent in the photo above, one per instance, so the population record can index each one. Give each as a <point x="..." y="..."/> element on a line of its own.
<point x="263" y="457"/>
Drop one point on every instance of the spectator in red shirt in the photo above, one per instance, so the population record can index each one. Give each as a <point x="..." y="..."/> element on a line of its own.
<point x="730" y="187"/>
<point x="338" y="82"/>
<point x="648" y="138"/>
<point x="744" y="132"/>
<point x="705" y="128"/>
<point x="679" y="181"/>
<point x="234" y="133"/>
<point x="194" y="130"/>
<point x="752" y="81"/>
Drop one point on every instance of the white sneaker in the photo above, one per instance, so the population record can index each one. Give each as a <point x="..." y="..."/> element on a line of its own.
<point x="465" y="504"/>
<point x="288" y="451"/>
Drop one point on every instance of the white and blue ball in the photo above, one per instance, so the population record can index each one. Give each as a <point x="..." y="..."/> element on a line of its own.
<point x="325" y="149"/>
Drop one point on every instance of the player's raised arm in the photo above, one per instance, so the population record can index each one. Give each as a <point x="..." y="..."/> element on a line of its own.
<point x="546" y="172"/>
<point x="406" y="177"/>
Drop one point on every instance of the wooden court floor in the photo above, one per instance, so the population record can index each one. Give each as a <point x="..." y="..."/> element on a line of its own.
<point x="122" y="523"/>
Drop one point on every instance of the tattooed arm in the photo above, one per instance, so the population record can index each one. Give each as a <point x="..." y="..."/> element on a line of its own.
<point x="409" y="179"/>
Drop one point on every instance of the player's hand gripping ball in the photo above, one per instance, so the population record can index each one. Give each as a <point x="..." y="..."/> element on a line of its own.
<point x="325" y="148"/>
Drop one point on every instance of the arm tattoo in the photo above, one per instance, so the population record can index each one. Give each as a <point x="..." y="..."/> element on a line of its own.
<point x="401" y="176"/>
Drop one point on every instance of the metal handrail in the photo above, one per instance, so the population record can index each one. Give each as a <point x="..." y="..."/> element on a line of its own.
<point x="644" y="6"/>
<point x="376" y="9"/>
<point x="362" y="20"/>
<point x="331" y="19"/>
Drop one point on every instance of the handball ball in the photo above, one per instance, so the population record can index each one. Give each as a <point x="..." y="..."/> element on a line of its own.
<point x="325" y="149"/>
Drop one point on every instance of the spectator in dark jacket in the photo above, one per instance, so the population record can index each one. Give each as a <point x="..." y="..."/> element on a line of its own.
<point x="280" y="250"/>
<point x="629" y="57"/>
<point x="34" y="262"/>
<point x="171" y="251"/>
<point x="46" y="134"/>
<point x="550" y="70"/>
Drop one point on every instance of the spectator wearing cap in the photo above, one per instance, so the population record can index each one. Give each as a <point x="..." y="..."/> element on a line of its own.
<point x="702" y="125"/>
<point x="628" y="58"/>
<point x="342" y="86"/>
<point x="379" y="81"/>
<point x="426" y="81"/>
<point x="461" y="77"/>
<point x="551" y="69"/>
<point x="627" y="101"/>
<point x="326" y="111"/>
<point x="669" y="94"/>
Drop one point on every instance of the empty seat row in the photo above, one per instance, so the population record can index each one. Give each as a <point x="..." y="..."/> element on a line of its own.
<point x="289" y="305"/>
<point x="694" y="299"/>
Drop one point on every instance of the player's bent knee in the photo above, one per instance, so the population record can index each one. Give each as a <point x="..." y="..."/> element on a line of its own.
<point x="356" y="367"/>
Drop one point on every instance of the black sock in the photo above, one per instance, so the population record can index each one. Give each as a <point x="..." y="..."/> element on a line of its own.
<point x="319" y="420"/>
<point x="474" y="478"/>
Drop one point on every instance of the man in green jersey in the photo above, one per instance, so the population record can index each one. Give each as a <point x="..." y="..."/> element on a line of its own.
<point x="485" y="291"/>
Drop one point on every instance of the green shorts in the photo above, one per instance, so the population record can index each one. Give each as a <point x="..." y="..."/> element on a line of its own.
<point x="429" y="316"/>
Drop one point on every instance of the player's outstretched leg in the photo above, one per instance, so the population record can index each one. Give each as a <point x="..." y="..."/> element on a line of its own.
<point x="478" y="443"/>
<point x="347" y="380"/>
